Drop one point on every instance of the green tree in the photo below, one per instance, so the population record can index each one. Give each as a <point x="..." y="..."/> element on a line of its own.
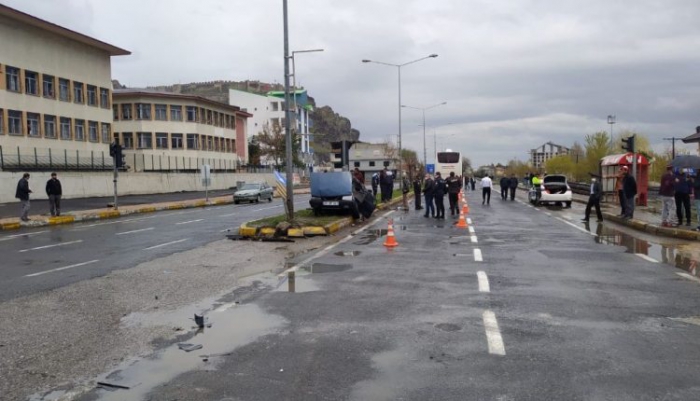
<point x="562" y="164"/>
<point x="466" y="165"/>
<point x="597" y="147"/>
<point x="641" y="142"/>
<point x="254" y="151"/>
<point x="273" y="144"/>
<point x="518" y="167"/>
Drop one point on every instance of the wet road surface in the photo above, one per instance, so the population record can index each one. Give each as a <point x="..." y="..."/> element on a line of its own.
<point x="525" y="304"/>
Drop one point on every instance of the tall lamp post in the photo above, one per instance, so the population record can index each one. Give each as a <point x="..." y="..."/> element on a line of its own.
<point x="398" y="67"/>
<point x="287" y="122"/>
<point x="294" y="88"/>
<point x="611" y="121"/>
<point x="423" y="109"/>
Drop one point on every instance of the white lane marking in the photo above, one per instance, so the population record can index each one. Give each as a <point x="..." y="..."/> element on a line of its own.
<point x="113" y="222"/>
<point x="15" y="236"/>
<point x="474" y="240"/>
<point x="689" y="277"/>
<point x="62" y="268"/>
<point x="645" y="257"/>
<point x="136" y="231"/>
<point x="547" y="213"/>
<point x="166" y="244"/>
<point x="230" y="214"/>
<point x="483" y="282"/>
<point x="477" y="255"/>
<point x="469" y="220"/>
<point x="575" y="226"/>
<point x="329" y="247"/>
<point x="51" y="246"/>
<point x="471" y="229"/>
<point x="266" y="208"/>
<point x="188" y="222"/>
<point x="226" y="229"/>
<point x="493" y="334"/>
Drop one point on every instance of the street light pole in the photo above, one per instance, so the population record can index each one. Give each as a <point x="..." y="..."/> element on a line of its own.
<point x="611" y="121"/>
<point x="423" y="109"/>
<point x="287" y="122"/>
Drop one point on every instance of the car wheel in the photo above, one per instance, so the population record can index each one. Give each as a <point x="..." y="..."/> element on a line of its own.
<point x="568" y="205"/>
<point x="270" y="199"/>
<point x="257" y="200"/>
<point x="236" y="202"/>
<point x="557" y="204"/>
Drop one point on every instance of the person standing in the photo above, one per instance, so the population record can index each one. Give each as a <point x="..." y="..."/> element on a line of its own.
<point x="696" y="194"/>
<point x="375" y="183"/>
<point x="486" y="184"/>
<point x="537" y="184"/>
<point x="389" y="182"/>
<point x="357" y="174"/>
<point x="513" y="185"/>
<point x="405" y="188"/>
<point x="618" y="189"/>
<point x="416" y="192"/>
<point x="429" y="192"/>
<point x="473" y="183"/>
<point x="682" y="190"/>
<point x="54" y="191"/>
<point x="667" y="194"/>
<point x="504" y="183"/>
<point x="440" y="186"/>
<point x="382" y="184"/>
<point x="596" y="192"/>
<point x="22" y="193"/>
<point x="453" y="186"/>
<point x="629" y="189"/>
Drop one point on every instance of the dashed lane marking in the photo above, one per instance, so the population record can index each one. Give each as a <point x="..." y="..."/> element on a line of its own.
<point x="166" y="244"/>
<point x="493" y="334"/>
<point x="136" y="231"/>
<point x="62" y="268"/>
<point x="188" y="222"/>
<point x="469" y="220"/>
<point x="575" y="226"/>
<point x="471" y="229"/>
<point x="483" y="282"/>
<point x="51" y="246"/>
<point x="474" y="240"/>
<point x="477" y="255"/>
<point x="15" y="236"/>
<point x="689" y="277"/>
<point x="647" y="258"/>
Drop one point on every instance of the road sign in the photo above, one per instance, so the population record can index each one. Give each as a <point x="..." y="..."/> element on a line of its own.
<point x="430" y="168"/>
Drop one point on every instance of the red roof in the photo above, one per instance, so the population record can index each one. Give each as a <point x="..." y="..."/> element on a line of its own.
<point x="624" y="159"/>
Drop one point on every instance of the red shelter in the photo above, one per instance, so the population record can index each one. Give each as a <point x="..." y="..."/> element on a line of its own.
<point x="610" y="166"/>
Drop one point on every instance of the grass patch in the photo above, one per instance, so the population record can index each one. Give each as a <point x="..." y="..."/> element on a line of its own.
<point x="301" y="217"/>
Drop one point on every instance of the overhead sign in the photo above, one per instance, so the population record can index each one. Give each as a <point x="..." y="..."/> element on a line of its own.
<point x="430" y="168"/>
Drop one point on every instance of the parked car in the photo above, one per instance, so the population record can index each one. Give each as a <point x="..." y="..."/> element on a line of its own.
<point x="555" y="190"/>
<point x="253" y="192"/>
<point x="337" y="192"/>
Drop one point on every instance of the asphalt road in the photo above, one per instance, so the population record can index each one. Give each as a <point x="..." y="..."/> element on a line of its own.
<point x="527" y="305"/>
<point x="49" y="257"/>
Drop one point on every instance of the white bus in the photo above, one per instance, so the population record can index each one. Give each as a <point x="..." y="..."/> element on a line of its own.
<point x="447" y="162"/>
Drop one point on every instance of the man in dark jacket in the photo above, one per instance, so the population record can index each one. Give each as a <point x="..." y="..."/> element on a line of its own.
<point x="629" y="189"/>
<point x="504" y="183"/>
<point x="440" y="189"/>
<point x="596" y="192"/>
<point x="683" y="188"/>
<point x="513" y="185"/>
<point x="416" y="192"/>
<point x="375" y="184"/>
<point x="429" y="191"/>
<point x="22" y="193"/>
<point x="667" y="193"/>
<point x="54" y="191"/>
<point x="453" y="185"/>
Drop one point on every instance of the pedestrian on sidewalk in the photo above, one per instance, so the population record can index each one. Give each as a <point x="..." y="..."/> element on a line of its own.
<point x="453" y="187"/>
<point x="439" y="194"/>
<point x="513" y="185"/>
<point x="375" y="184"/>
<point x="596" y="192"/>
<point x="682" y="188"/>
<point x="629" y="189"/>
<point x="696" y="194"/>
<point x="486" y="184"/>
<point x="416" y="192"/>
<point x="429" y="192"/>
<point x="54" y="191"/>
<point x="667" y="193"/>
<point x="22" y="193"/>
<point x="618" y="189"/>
<point x="504" y="183"/>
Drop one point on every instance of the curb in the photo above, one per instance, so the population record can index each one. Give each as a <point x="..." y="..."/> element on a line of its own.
<point x="653" y="228"/>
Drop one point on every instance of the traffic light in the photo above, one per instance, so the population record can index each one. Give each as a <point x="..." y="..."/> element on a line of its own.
<point x="116" y="151"/>
<point x="628" y="143"/>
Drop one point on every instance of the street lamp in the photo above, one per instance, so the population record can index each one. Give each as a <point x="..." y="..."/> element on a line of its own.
<point x="294" y="88"/>
<point x="287" y="128"/>
<point x="423" y="109"/>
<point x="611" y="121"/>
<point x="398" y="67"/>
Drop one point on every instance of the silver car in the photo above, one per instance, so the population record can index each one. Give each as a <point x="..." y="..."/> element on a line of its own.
<point x="253" y="192"/>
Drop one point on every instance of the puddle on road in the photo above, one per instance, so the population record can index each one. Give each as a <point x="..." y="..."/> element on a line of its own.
<point x="684" y="256"/>
<point x="317" y="268"/>
<point x="370" y="236"/>
<point x="231" y="328"/>
<point x="448" y="327"/>
<point x="348" y="253"/>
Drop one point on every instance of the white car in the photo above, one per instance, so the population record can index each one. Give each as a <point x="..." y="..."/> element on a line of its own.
<point x="555" y="190"/>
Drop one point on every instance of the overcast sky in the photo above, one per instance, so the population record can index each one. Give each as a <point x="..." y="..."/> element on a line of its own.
<point x="514" y="74"/>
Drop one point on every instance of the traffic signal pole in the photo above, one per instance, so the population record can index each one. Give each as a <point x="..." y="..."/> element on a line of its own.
<point x="116" y="175"/>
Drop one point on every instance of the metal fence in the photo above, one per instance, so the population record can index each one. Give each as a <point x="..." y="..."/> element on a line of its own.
<point x="51" y="159"/>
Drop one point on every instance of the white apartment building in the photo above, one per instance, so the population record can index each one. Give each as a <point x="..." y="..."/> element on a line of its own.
<point x="270" y="109"/>
<point x="55" y="95"/>
<point x="165" y="131"/>
<point x="540" y="155"/>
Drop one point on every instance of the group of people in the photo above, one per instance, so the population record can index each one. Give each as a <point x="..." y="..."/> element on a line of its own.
<point x="434" y="191"/>
<point x="384" y="181"/>
<point x="676" y="190"/>
<point x="626" y="189"/>
<point x="53" y="191"/>
<point x="508" y="185"/>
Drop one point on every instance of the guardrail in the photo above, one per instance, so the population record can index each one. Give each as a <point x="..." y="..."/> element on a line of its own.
<point x="50" y="159"/>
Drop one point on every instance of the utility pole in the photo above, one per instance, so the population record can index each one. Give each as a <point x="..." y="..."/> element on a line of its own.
<point x="673" y="140"/>
<point x="287" y="122"/>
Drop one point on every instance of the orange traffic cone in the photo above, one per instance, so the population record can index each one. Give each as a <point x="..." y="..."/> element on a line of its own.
<point x="462" y="220"/>
<point x="390" y="238"/>
<point x="465" y="209"/>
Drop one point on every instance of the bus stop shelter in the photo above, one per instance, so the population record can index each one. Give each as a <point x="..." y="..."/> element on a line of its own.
<point x="610" y="167"/>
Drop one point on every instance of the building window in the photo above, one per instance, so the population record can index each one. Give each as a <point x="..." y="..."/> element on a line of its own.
<point x="78" y="93"/>
<point x="161" y="140"/>
<point x="357" y="164"/>
<point x="176" y="141"/>
<point x="144" y="140"/>
<point x="210" y="143"/>
<point x="92" y="95"/>
<point x="33" y="125"/>
<point x="31" y="83"/>
<point x="115" y="112"/>
<point x="104" y="98"/>
<point x="65" y="128"/>
<point x="79" y="130"/>
<point x="191" y="113"/>
<point x="210" y="119"/>
<point x="14" y="122"/>
<point x="2" y="121"/>
<point x="64" y="90"/>
<point x="371" y="164"/>
<point x="143" y="111"/>
<point x="175" y="113"/>
<point x="161" y="112"/>
<point x="49" y="126"/>
<point x="105" y="132"/>
<point x="275" y="106"/>
<point x="12" y="79"/>
<point x="128" y="139"/>
<point x="192" y="141"/>
<point x="48" y="86"/>
<point x="92" y="131"/>
<point x="386" y="164"/>
<point x="126" y="111"/>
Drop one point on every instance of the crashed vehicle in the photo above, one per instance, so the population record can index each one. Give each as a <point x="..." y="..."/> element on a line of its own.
<point x="555" y="190"/>
<point x="338" y="193"/>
